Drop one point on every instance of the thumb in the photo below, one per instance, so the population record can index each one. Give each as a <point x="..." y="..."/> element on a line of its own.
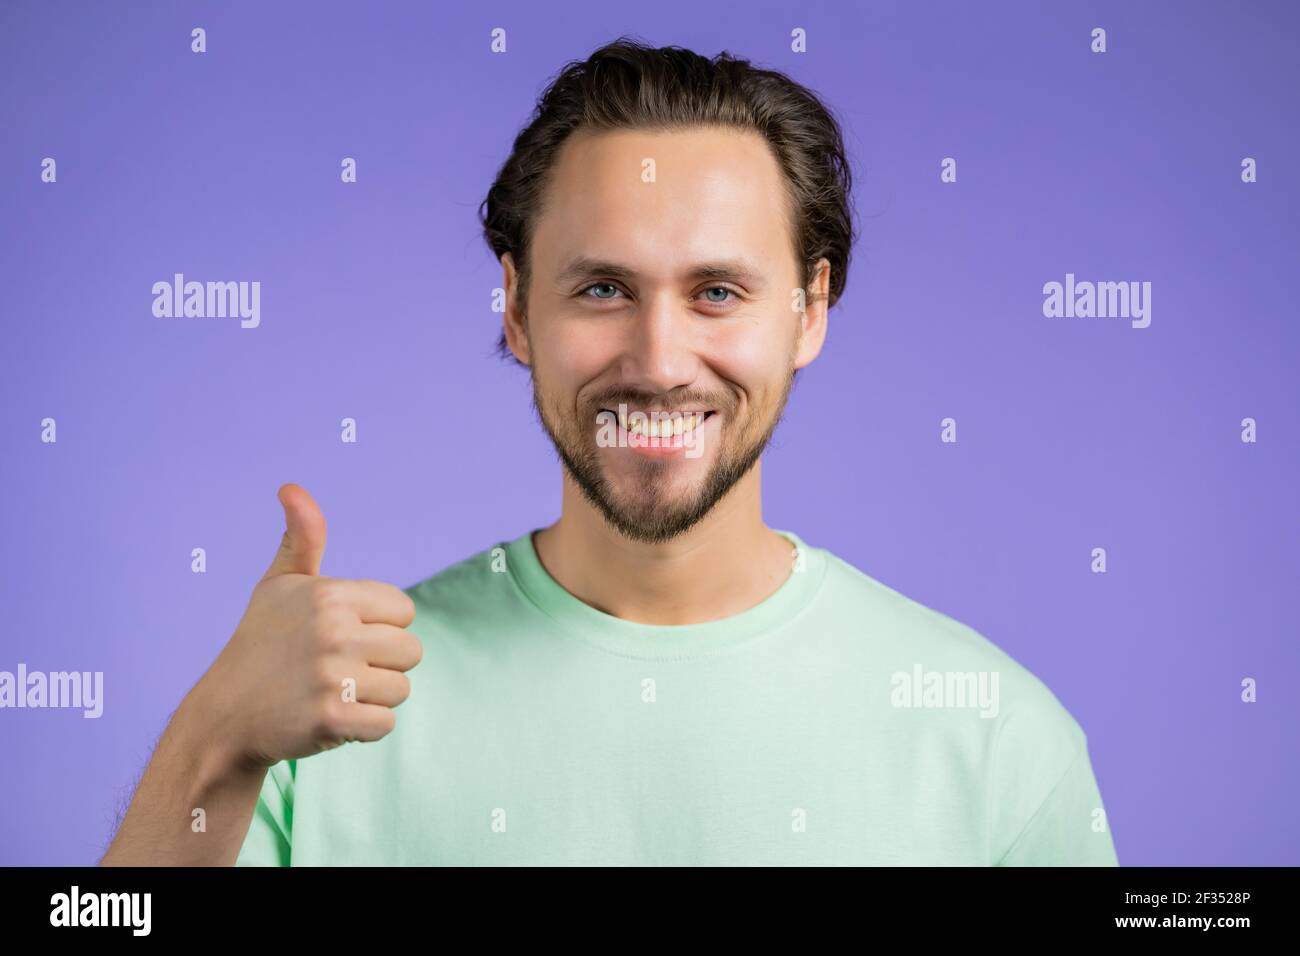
<point x="303" y="543"/>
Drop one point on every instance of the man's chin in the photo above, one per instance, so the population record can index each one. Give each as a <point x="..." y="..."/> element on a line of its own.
<point x="667" y="484"/>
<point x="648" y="503"/>
<point x="651" y="526"/>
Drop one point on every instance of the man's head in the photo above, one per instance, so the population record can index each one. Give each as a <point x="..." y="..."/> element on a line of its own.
<point x="673" y="230"/>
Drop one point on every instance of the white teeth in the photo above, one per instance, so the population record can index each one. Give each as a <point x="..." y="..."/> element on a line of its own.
<point x="659" y="426"/>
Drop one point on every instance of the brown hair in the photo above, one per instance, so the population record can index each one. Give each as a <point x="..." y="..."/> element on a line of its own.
<point x="627" y="84"/>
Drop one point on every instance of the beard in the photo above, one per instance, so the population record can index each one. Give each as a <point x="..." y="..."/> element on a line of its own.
<point x="656" y="512"/>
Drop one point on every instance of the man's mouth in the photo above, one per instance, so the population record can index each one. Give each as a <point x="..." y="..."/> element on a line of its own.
<point x="660" y="423"/>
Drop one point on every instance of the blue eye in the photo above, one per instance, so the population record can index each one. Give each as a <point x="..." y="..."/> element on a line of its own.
<point x="614" y="290"/>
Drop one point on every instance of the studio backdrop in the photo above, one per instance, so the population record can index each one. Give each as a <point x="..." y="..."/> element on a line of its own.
<point x="1058" y="400"/>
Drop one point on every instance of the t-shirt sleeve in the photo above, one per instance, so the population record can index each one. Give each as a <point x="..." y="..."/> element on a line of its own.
<point x="268" y="841"/>
<point x="1047" y="809"/>
<point x="1069" y="828"/>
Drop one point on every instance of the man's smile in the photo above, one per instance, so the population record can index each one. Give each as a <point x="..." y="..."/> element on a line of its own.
<point x="659" y="423"/>
<point x="655" y="432"/>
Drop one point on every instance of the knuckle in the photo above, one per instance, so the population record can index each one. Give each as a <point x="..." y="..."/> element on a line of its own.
<point x="329" y="720"/>
<point x="326" y="595"/>
<point x="331" y="638"/>
<point x="325" y="677"/>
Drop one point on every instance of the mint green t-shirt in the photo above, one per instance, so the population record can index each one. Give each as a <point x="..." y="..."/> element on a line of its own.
<point x="836" y="722"/>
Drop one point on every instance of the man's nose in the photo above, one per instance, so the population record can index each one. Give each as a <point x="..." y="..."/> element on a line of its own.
<point x="660" y="351"/>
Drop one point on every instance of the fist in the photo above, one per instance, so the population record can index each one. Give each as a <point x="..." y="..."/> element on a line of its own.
<point x="315" y="661"/>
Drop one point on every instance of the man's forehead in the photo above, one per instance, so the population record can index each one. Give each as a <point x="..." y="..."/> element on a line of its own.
<point x="708" y="195"/>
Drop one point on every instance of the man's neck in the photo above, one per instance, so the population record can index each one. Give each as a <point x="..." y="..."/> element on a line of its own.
<point x="727" y="563"/>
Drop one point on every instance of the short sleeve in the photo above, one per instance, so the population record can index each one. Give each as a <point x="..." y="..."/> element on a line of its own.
<point x="1069" y="827"/>
<point x="269" y="838"/>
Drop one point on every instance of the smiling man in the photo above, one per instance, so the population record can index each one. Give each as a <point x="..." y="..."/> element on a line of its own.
<point x="670" y="296"/>
<point x="657" y="677"/>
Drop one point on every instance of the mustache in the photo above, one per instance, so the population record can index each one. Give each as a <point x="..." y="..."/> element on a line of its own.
<point x="658" y="402"/>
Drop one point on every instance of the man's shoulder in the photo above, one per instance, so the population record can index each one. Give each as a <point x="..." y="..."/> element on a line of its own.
<point x="914" y="638"/>
<point x="894" y="621"/>
<point x="461" y="585"/>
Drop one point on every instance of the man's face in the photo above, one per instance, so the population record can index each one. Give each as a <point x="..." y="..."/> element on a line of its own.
<point x="622" y="318"/>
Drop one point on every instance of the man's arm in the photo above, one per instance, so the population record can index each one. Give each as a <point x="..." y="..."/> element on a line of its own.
<point x="190" y="771"/>
<point x="314" y="663"/>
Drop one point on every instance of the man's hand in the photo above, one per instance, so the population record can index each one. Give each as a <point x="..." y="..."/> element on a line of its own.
<point x="316" y="661"/>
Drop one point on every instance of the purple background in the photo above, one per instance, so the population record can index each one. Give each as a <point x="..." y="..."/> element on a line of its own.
<point x="1073" y="433"/>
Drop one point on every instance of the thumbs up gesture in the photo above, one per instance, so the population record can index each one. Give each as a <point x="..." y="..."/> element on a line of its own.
<point x="315" y="661"/>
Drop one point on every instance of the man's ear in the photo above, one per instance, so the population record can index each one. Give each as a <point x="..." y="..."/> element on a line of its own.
<point x="812" y="322"/>
<point x="513" y="318"/>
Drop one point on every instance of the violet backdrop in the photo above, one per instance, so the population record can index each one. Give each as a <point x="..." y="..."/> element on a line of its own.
<point x="376" y="305"/>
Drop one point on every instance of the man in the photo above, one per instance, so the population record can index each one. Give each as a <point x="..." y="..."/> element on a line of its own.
<point x="657" y="677"/>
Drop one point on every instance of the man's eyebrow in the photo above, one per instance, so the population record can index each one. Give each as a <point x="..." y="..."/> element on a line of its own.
<point x="737" y="270"/>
